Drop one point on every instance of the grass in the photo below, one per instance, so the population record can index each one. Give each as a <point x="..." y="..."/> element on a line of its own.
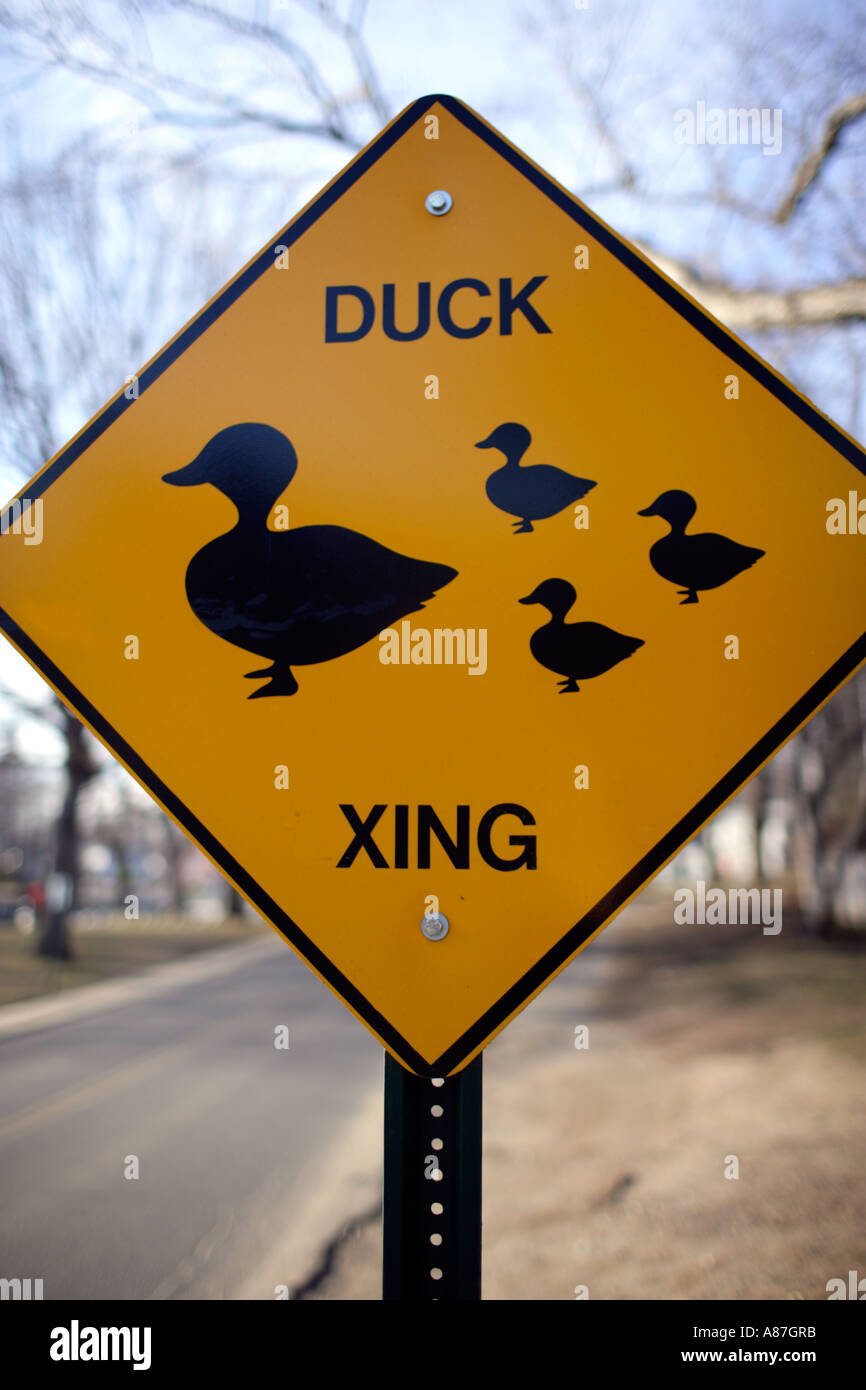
<point x="119" y="948"/>
<point x="757" y="988"/>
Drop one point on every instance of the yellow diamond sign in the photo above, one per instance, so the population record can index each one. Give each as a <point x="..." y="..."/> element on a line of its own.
<point x="442" y="577"/>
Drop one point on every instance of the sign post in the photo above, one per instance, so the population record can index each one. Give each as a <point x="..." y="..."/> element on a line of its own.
<point x="432" y="1201"/>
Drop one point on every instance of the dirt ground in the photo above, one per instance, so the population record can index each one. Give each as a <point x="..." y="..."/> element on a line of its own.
<point x="606" y="1167"/>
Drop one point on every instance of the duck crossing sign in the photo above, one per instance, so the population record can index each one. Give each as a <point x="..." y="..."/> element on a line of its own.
<point x="443" y="577"/>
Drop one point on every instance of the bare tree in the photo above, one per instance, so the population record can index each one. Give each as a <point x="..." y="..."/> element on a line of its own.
<point x="829" y="802"/>
<point x="174" y="861"/>
<point x="809" y="194"/>
<point x="78" y="311"/>
<point x="322" y="84"/>
<point x="81" y="765"/>
<point x="104" y="247"/>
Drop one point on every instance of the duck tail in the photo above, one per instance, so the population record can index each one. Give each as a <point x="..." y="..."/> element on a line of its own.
<point x="448" y="574"/>
<point x="437" y="577"/>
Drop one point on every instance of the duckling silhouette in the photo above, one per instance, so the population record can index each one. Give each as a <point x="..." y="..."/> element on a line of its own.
<point x="294" y="597"/>
<point x="694" y="562"/>
<point x="532" y="493"/>
<point x="576" y="651"/>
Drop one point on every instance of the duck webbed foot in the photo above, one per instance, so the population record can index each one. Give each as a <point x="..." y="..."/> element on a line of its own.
<point x="521" y="526"/>
<point x="282" y="682"/>
<point x="691" y="596"/>
<point x="568" y="687"/>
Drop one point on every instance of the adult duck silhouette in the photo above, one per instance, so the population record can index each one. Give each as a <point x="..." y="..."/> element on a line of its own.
<point x="294" y="597"/>
<point x="576" y="651"/>
<point x="532" y="493"/>
<point x="694" y="562"/>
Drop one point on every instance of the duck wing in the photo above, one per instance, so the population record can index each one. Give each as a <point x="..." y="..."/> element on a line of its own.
<point x="599" y="647"/>
<point x="330" y="571"/>
<point x="307" y="595"/>
<point x="580" y="650"/>
<point x="547" y="490"/>
<point x="712" y="560"/>
<point x="535" y="492"/>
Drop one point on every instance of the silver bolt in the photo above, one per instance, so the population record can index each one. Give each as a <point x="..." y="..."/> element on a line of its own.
<point x="435" y="926"/>
<point x="438" y="202"/>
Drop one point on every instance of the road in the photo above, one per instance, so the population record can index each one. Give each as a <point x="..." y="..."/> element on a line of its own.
<point x="235" y="1140"/>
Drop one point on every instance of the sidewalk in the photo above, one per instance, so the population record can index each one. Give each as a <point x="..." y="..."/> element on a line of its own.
<point x="46" y="1011"/>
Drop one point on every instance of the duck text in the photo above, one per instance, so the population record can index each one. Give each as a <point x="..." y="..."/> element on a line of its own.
<point x="444" y="646"/>
<point x="458" y="298"/>
<point x="428" y="825"/>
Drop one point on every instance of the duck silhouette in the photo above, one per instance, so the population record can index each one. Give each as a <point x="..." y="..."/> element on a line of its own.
<point x="694" y="562"/>
<point x="532" y="493"/>
<point x="294" y="597"/>
<point x="577" y="651"/>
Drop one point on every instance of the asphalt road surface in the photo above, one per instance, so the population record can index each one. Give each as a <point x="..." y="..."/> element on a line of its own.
<point x="230" y="1134"/>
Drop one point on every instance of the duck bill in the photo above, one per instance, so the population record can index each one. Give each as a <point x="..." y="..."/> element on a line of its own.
<point x="530" y="598"/>
<point x="188" y="476"/>
<point x="649" y="511"/>
<point x="484" y="444"/>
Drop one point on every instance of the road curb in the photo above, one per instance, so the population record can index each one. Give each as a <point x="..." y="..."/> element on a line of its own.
<point x="343" y="1184"/>
<point x="31" y="1015"/>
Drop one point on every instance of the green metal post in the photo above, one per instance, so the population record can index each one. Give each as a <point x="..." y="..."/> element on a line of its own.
<point x="432" y="1207"/>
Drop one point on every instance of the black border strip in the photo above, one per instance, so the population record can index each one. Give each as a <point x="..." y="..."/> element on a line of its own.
<point x="514" y="997"/>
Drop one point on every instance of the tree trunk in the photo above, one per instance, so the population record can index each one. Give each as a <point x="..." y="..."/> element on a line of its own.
<point x="54" y="940"/>
<point x="173" y="847"/>
<point x="122" y="873"/>
<point x="234" y="903"/>
<point x="63" y="887"/>
<point x="761" y="792"/>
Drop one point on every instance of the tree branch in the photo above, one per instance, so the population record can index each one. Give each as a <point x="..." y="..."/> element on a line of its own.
<point x="840" y="302"/>
<point x="810" y="167"/>
<point x="51" y="713"/>
<point x="363" y="60"/>
<point x="106" y="62"/>
<point x="241" y="27"/>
